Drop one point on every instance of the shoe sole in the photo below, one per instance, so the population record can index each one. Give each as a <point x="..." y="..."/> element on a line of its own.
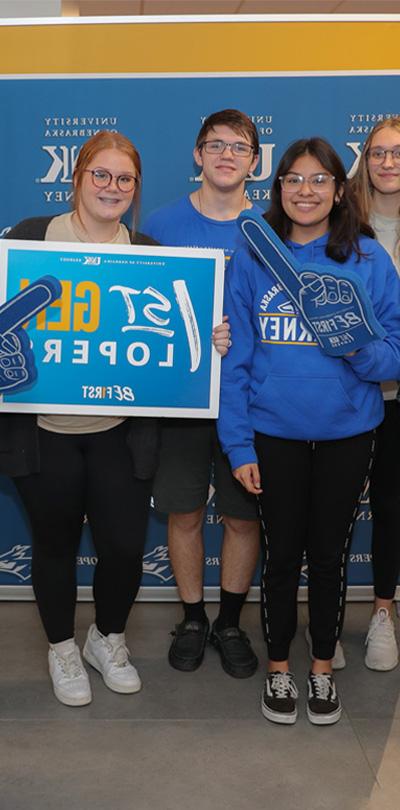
<point x="379" y="667"/>
<point x="278" y="717"/>
<point x="122" y="690"/>
<point x="185" y="666"/>
<point x="324" y="719"/>
<point x="234" y="672"/>
<point x="72" y="701"/>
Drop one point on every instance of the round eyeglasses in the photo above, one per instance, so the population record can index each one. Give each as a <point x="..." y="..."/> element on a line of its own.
<point x="238" y="148"/>
<point x="102" y="178"/>
<point x="378" y="154"/>
<point x="292" y="182"/>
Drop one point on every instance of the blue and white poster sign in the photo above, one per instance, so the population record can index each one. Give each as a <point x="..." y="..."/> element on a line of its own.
<point x="130" y="334"/>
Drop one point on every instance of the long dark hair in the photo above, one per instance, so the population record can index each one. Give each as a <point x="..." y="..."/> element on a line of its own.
<point x="345" y="223"/>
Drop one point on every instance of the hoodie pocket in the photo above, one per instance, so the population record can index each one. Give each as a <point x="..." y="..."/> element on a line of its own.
<point x="302" y="407"/>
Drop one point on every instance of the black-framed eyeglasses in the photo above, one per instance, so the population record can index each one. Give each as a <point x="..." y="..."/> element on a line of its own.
<point x="217" y="147"/>
<point x="102" y="178"/>
<point x="378" y="154"/>
<point x="318" y="182"/>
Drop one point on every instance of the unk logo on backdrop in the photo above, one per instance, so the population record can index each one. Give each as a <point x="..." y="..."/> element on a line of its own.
<point x="60" y="157"/>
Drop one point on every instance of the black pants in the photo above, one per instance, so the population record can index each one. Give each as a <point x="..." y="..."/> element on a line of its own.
<point x="92" y="474"/>
<point x="385" y="504"/>
<point x="311" y="492"/>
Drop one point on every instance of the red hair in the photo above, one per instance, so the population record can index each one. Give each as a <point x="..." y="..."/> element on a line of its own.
<point x="108" y="140"/>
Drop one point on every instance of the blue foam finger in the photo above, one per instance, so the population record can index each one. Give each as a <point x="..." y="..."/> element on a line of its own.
<point x="346" y="292"/>
<point x="28" y="303"/>
<point x="267" y="245"/>
<point x="17" y="362"/>
<point x="345" y="325"/>
<point x="333" y="301"/>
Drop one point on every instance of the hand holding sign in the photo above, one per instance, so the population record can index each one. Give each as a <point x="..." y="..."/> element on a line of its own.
<point x="17" y="363"/>
<point x="332" y="301"/>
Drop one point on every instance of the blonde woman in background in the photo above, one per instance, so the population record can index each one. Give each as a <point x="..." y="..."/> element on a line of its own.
<point x="377" y="186"/>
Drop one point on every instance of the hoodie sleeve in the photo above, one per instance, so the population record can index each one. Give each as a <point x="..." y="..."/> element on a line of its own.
<point x="234" y="428"/>
<point x="380" y="360"/>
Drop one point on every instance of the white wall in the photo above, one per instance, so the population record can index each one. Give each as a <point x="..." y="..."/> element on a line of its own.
<point x="30" y="8"/>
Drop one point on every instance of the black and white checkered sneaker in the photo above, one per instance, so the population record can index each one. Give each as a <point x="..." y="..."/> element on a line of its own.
<point x="278" y="700"/>
<point x="323" y="703"/>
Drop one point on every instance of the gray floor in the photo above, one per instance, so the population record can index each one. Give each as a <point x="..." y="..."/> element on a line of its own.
<point x="190" y="741"/>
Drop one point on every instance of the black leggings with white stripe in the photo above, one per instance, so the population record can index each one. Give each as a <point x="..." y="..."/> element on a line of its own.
<point x="88" y="473"/>
<point x="385" y="504"/>
<point x="311" y="492"/>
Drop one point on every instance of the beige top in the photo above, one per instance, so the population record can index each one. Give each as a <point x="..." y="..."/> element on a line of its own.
<point x="66" y="229"/>
<point x="387" y="231"/>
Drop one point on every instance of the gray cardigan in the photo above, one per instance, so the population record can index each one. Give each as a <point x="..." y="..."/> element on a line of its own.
<point x="19" y="445"/>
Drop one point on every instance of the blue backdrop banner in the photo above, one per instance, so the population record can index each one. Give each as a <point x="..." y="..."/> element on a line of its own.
<point x="51" y="117"/>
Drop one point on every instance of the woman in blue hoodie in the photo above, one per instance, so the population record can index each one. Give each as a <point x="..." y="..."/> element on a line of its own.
<point x="299" y="426"/>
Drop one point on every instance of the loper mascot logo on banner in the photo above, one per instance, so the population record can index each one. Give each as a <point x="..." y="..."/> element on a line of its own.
<point x="156" y="563"/>
<point x="17" y="562"/>
<point x="17" y="363"/>
<point x="333" y="302"/>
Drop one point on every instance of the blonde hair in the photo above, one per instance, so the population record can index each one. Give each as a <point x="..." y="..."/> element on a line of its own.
<point x="108" y="140"/>
<point x="361" y="181"/>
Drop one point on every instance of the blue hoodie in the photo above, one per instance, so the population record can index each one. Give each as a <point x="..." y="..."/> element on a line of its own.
<point x="275" y="378"/>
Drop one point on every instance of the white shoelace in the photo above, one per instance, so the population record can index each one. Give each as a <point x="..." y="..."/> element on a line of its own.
<point x="382" y="626"/>
<point x="322" y="685"/>
<point x="283" y="685"/>
<point x="70" y="665"/>
<point x="119" y="654"/>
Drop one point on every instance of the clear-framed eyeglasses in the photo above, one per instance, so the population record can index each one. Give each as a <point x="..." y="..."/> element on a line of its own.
<point x="217" y="147"/>
<point x="292" y="182"/>
<point x="102" y="178"/>
<point x="378" y="154"/>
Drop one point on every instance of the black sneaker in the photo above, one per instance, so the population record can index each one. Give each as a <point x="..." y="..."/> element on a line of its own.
<point x="187" y="649"/>
<point x="323" y="703"/>
<point x="237" y="656"/>
<point x="278" y="700"/>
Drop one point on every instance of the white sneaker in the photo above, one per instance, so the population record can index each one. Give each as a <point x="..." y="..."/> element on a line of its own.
<point x="110" y="656"/>
<point x="382" y="652"/>
<point x="70" y="679"/>
<point x="338" y="660"/>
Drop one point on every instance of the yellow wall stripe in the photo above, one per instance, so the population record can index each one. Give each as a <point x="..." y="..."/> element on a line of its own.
<point x="200" y="47"/>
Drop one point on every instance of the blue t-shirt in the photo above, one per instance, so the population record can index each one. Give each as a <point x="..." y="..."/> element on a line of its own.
<point x="181" y="225"/>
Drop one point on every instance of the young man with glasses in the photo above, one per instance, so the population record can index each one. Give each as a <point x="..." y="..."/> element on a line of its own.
<point x="226" y="151"/>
